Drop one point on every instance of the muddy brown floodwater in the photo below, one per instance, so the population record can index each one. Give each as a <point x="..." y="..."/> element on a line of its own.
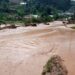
<point x="25" y="53"/>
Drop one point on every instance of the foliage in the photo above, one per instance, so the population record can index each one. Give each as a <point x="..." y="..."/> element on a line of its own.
<point x="11" y="12"/>
<point x="40" y="6"/>
<point x="54" y="66"/>
<point x="73" y="27"/>
<point x="20" y="10"/>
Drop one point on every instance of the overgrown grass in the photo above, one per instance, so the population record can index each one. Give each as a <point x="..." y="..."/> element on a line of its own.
<point x="73" y="27"/>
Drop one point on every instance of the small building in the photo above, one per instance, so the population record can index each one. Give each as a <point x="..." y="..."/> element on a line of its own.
<point x="51" y="16"/>
<point x="31" y="16"/>
<point x="23" y="3"/>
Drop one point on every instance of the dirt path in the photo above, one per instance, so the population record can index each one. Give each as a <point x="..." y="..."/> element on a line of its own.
<point x="26" y="53"/>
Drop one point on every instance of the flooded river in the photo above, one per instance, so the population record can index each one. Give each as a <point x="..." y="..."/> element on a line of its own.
<point x="25" y="51"/>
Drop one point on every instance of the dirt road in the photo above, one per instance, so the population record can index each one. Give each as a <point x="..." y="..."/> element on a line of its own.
<point x="25" y="53"/>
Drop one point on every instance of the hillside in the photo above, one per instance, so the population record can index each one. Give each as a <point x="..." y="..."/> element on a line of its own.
<point x="38" y="6"/>
<point x="72" y="8"/>
<point x="15" y="1"/>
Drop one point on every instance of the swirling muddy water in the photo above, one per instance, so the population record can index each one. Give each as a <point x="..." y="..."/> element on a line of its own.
<point x="25" y="53"/>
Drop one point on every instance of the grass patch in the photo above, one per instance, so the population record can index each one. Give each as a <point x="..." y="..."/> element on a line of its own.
<point x="73" y="27"/>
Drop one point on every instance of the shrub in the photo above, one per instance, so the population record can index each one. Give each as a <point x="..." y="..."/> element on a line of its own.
<point x="13" y="26"/>
<point x="54" y="66"/>
<point x="73" y="27"/>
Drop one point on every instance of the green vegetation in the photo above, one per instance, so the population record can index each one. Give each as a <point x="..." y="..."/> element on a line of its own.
<point x="14" y="12"/>
<point x="54" y="66"/>
<point x="39" y="6"/>
<point x="73" y="27"/>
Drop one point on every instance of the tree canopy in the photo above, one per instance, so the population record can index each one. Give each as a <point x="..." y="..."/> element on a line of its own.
<point x="39" y="6"/>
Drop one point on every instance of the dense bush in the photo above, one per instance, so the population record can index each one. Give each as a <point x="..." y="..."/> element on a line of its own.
<point x="54" y="66"/>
